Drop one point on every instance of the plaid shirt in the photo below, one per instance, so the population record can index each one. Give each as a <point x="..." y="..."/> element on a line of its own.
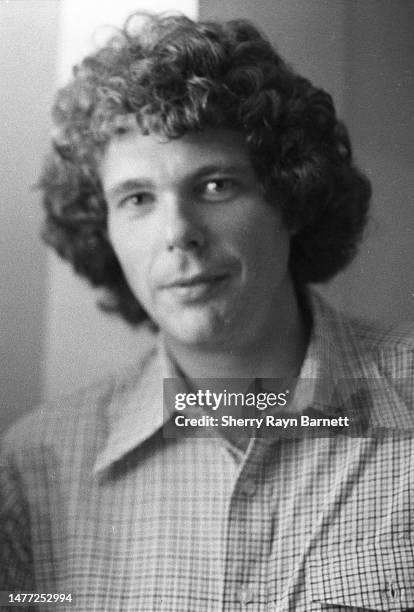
<point x="96" y="502"/>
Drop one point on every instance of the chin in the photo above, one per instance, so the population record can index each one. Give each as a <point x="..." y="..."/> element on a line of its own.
<point x="196" y="329"/>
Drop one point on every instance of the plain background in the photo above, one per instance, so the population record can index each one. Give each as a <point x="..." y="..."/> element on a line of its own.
<point x="52" y="337"/>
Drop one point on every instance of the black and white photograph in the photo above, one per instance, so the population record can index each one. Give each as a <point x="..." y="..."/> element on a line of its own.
<point x="207" y="305"/>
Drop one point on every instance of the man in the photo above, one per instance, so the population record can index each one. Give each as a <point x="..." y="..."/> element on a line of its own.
<point x="204" y="185"/>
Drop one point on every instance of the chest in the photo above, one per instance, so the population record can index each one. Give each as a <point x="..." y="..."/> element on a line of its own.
<point x="300" y="525"/>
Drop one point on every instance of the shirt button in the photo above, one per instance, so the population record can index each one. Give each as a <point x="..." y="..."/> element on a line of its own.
<point x="249" y="487"/>
<point x="246" y="595"/>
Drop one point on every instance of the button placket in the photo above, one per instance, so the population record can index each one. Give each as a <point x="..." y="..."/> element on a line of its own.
<point x="244" y="548"/>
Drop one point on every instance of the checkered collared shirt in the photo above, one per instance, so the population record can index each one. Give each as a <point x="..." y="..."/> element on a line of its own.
<point x="97" y="502"/>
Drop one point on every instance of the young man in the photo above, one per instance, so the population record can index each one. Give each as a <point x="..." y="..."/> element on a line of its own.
<point x="205" y="185"/>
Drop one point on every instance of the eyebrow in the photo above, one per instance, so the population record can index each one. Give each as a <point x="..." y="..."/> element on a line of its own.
<point x="128" y="185"/>
<point x="123" y="187"/>
<point x="241" y="168"/>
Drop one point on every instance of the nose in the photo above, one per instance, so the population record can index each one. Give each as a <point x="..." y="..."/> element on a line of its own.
<point x="183" y="229"/>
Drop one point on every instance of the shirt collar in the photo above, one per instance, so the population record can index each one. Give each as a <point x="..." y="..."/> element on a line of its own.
<point x="334" y="356"/>
<point x="136" y="409"/>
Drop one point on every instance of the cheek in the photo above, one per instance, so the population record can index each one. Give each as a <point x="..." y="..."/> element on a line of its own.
<point x="133" y="253"/>
<point x="263" y="240"/>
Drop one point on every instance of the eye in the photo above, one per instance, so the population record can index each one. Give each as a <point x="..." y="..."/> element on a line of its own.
<point x="136" y="200"/>
<point x="219" y="188"/>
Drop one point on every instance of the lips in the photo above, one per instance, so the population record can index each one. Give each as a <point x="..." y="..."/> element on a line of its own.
<point x="195" y="280"/>
<point x="198" y="286"/>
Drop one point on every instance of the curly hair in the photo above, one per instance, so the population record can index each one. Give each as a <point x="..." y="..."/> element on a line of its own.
<point x="175" y="76"/>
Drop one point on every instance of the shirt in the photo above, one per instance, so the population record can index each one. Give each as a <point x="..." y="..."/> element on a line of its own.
<point x="96" y="501"/>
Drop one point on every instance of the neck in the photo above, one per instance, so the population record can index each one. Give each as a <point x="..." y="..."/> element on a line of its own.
<point x="276" y="350"/>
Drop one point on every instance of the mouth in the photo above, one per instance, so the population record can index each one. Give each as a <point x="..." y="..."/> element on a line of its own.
<point x="197" y="287"/>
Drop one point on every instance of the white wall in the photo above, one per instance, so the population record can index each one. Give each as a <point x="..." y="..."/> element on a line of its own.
<point x="28" y="38"/>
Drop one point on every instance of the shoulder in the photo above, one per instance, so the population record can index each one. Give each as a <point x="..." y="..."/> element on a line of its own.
<point x="383" y="356"/>
<point x="360" y="348"/>
<point x="66" y="425"/>
<point x="372" y="340"/>
<point x="375" y="362"/>
<point x="390" y="346"/>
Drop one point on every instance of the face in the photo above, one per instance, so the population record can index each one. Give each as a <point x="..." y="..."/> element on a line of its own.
<point x="202" y="250"/>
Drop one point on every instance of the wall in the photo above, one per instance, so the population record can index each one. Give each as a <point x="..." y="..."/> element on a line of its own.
<point x="28" y="38"/>
<point x="379" y="109"/>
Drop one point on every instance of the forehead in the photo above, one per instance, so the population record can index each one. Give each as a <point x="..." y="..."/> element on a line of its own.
<point x="151" y="156"/>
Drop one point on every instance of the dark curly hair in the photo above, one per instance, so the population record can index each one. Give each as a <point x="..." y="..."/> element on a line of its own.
<point x="177" y="76"/>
